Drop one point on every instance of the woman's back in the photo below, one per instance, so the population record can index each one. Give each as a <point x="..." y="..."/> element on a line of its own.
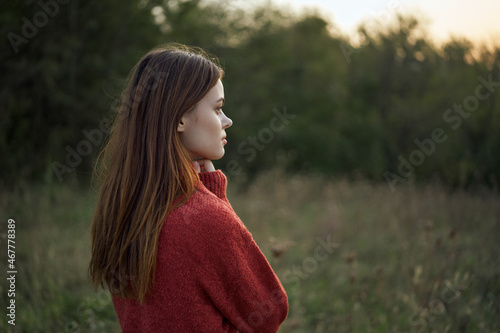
<point x="210" y="274"/>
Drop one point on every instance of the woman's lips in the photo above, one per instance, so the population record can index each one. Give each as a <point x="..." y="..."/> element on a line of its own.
<point x="224" y="141"/>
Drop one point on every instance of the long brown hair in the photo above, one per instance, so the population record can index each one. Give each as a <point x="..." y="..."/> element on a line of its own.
<point x="144" y="169"/>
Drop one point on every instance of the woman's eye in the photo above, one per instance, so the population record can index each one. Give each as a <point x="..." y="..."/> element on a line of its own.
<point x="219" y="110"/>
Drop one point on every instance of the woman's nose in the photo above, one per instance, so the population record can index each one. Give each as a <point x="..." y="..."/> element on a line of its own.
<point x="226" y="122"/>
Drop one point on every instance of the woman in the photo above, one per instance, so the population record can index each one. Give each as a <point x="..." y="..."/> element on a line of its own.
<point x="165" y="239"/>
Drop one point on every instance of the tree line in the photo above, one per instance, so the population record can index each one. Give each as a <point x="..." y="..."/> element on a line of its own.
<point x="392" y="106"/>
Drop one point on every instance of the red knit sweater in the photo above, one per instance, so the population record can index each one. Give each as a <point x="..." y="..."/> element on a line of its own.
<point x="211" y="276"/>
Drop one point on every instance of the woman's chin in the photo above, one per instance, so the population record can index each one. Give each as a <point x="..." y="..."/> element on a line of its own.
<point x="218" y="156"/>
<point x="208" y="155"/>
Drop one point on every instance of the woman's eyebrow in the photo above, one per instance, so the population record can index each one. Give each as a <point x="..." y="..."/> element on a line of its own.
<point x="221" y="100"/>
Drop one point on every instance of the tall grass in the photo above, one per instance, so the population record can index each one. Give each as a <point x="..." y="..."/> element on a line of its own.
<point x="419" y="259"/>
<point x="53" y="293"/>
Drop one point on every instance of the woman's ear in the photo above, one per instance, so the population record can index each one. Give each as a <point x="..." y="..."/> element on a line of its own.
<point x="181" y="127"/>
<point x="187" y="117"/>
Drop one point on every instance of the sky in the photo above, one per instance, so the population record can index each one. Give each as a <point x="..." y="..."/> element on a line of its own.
<point x="478" y="20"/>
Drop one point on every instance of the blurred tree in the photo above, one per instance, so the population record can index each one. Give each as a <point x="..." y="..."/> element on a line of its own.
<point x="357" y="109"/>
<point x="56" y="83"/>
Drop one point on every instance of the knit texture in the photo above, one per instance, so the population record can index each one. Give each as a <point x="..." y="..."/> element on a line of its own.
<point x="211" y="276"/>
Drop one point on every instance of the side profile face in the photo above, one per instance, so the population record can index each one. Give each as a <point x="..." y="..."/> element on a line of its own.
<point x="202" y="130"/>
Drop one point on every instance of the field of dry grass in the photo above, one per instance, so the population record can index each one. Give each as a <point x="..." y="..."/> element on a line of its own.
<point x="352" y="255"/>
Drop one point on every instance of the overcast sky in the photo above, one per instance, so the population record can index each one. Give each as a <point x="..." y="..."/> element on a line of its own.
<point x="477" y="20"/>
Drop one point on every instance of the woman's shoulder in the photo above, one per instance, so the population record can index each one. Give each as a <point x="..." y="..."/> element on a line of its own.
<point x="204" y="213"/>
<point x="202" y="228"/>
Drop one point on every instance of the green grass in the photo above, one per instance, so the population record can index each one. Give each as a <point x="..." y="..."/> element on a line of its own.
<point x="52" y="253"/>
<point x="419" y="259"/>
